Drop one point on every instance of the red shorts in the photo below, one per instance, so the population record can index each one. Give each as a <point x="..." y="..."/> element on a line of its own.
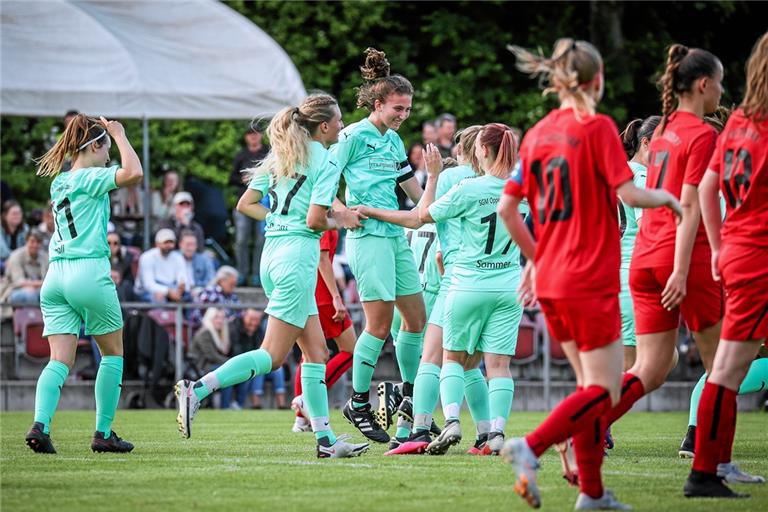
<point x="744" y="271"/>
<point x="592" y="322"/>
<point x="702" y="306"/>
<point x="332" y="329"/>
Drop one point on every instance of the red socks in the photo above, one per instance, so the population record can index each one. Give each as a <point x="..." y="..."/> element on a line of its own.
<point x="588" y="447"/>
<point x="576" y="413"/>
<point x="334" y="369"/>
<point x="632" y="390"/>
<point x="717" y="426"/>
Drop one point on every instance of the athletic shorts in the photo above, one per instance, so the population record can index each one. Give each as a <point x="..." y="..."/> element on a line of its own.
<point x="701" y="308"/>
<point x="592" y="322"/>
<point x="331" y="328"/>
<point x="481" y="321"/>
<point x="744" y="271"/>
<point x="289" y="274"/>
<point x="429" y="302"/>
<point x="627" y="312"/>
<point x="76" y="291"/>
<point x="383" y="267"/>
<point x="438" y="309"/>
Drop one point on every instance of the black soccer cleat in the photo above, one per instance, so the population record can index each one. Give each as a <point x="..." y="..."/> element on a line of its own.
<point x="688" y="446"/>
<point x="362" y="420"/>
<point x="38" y="440"/>
<point x="703" y="485"/>
<point x="390" y="398"/>
<point x="112" y="444"/>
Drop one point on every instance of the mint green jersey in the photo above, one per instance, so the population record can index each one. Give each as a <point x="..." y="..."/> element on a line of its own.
<point x="630" y="217"/>
<point x="424" y="245"/>
<point x="290" y="198"/>
<point x="372" y="165"/>
<point x="80" y="203"/>
<point x="487" y="259"/>
<point x="449" y="231"/>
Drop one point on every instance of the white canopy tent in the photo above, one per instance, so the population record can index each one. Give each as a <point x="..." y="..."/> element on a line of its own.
<point x="170" y="59"/>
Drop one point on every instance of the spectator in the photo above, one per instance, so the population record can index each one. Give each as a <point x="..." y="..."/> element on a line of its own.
<point x="245" y="333"/>
<point x="162" y="200"/>
<point x="210" y="347"/>
<point x="120" y="259"/>
<point x="124" y="288"/>
<point x="182" y="219"/>
<point x="25" y="271"/>
<point x="246" y="228"/>
<point x="14" y="230"/>
<point x="446" y="129"/>
<point x="198" y="266"/>
<point x="161" y="271"/>
<point x="416" y="159"/>
<point x="46" y="227"/>
<point x="428" y="133"/>
<point x="221" y="290"/>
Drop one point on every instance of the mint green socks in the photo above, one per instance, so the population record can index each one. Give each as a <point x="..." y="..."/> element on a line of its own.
<point x="452" y="389"/>
<point x="695" y="397"/>
<point x="426" y="391"/>
<point x="364" y="360"/>
<point x="109" y="384"/>
<point x="501" y="391"/>
<point x="48" y="391"/>
<point x="408" y="352"/>
<point x="316" y="397"/>
<point x="234" y="371"/>
<point x="476" y="390"/>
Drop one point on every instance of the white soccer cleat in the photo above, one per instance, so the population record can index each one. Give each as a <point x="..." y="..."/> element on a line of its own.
<point x="188" y="405"/>
<point x="606" y="502"/>
<point x="450" y="435"/>
<point x="301" y="425"/>
<point x="732" y="474"/>
<point x="517" y="453"/>
<point x="299" y="407"/>
<point x="341" y="449"/>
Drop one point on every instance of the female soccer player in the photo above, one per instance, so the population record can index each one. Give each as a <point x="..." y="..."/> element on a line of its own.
<point x="372" y="159"/>
<point x="573" y="167"/>
<point x="78" y="287"/>
<point x="739" y="167"/>
<point x="301" y="181"/>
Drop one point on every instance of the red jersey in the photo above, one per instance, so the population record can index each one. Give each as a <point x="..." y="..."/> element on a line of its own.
<point x="328" y="242"/>
<point x="741" y="160"/>
<point x="570" y="171"/>
<point x="678" y="156"/>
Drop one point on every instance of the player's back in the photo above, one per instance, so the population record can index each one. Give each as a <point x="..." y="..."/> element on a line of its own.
<point x="449" y="232"/>
<point x="423" y="243"/>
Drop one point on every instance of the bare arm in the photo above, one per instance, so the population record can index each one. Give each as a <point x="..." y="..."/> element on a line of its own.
<point x="317" y="218"/>
<point x="434" y="167"/>
<point x="710" y="208"/>
<point x="249" y="205"/>
<point x="635" y="197"/>
<point x="676" y="288"/>
<point x="405" y="218"/>
<point x="345" y="217"/>
<point x="440" y="263"/>
<point x="131" y="172"/>
<point x="412" y="189"/>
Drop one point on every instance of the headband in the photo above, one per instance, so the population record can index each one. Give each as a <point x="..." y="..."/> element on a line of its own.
<point x="83" y="146"/>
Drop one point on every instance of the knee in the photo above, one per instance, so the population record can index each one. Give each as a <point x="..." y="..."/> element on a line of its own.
<point x="380" y="331"/>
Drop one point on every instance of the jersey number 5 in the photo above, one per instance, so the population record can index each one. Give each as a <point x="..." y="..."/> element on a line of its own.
<point x="288" y="198"/>
<point x="547" y="198"/>
<point x="66" y="206"/>
<point x="735" y="183"/>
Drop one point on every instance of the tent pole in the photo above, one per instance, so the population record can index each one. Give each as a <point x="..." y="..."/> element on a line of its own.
<point x="145" y="165"/>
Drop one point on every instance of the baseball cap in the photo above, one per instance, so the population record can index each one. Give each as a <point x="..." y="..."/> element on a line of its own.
<point x="181" y="197"/>
<point x="165" y="235"/>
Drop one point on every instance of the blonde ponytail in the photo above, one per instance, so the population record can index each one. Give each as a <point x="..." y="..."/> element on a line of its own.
<point x="78" y="135"/>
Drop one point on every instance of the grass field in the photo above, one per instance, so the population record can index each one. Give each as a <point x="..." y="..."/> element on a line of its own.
<point x="251" y="461"/>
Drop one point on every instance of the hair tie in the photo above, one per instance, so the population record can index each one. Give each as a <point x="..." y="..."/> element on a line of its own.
<point x="573" y="46"/>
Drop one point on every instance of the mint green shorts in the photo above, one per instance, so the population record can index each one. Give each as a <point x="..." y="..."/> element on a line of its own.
<point x="383" y="267"/>
<point x="288" y="273"/>
<point x="435" y="317"/>
<point x="76" y="291"/>
<point x="481" y="322"/>
<point x="627" y="313"/>
<point x="429" y="302"/>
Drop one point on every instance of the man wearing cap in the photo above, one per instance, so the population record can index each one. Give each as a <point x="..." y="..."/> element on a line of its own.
<point x="162" y="271"/>
<point x="182" y="219"/>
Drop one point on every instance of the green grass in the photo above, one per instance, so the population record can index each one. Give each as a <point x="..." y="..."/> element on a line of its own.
<point x="251" y="461"/>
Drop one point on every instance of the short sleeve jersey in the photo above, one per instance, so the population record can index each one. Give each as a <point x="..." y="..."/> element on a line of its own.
<point x="629" y="217"/>
<point x="328" y="242"/>
<point x="741" y="160"/>
<point x="676" y="157"/>
<point x="449" y="232"/>
<point x="570" y="171"/>
<point x="290" y="198"/>
<point x="372" y="165"/>
<point x="487" y="259"/>
<point x="80" y="202"/>
<point x="424" y="246"/>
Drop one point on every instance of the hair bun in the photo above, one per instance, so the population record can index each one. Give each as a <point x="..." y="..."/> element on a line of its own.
<point x="677" y="52"/>
<point x="376" y="65"/>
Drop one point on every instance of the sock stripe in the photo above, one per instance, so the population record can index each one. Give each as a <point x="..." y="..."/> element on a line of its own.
<point x="598" y="434"/>
<point x="716" y="413"/>
<point x="629" y="384"/>
<point x="757" y="323"/>
<point x="588" y="406"/>
<point x="366" y="363"/>
<point x="333" y="377"/>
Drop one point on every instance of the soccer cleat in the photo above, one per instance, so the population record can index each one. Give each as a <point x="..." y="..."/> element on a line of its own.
<point x="394" y="442"/>
<point x="301" y="424"/>
<point x="450" y="436"/>
<point x="568" y="462"/>
<point x="390" y="398"/>
<point x="732" y="474"/>
<point x="606" y="502"/>
<point x="525" y="465"/>
<point x="415" y="445"/>
<point x="702" y="485"/>
<point x="477" y="449"/>
<point x="299" y="407"/>
<point x="188" y="404"/>
<point x="494" y="444"/>
<point x="689" y="443"/>
<point x="362" y="420"/>
<point x="111" y="444"/>
<point x="434" y="429"/>
<point x="341" y="449"/>
<point x="609" y="444"/>
<point x="405" y="409"/>
<point x="38" y="440"/>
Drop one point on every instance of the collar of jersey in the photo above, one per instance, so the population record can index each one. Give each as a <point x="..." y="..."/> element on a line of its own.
<point x="369" y="126"/>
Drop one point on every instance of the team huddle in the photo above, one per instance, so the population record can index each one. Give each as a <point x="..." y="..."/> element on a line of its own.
<point x="613" y="252"/>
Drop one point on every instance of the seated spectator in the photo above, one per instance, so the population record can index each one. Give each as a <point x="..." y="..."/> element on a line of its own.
<point x="47" y="227"/>
<point x="446" y="129"/>
<point x="124" y="288"/>
<point x="162" y="272"/>
<point x="428" y="133"/>
<point x="128" y="212"/>
<point x="120" y="259"/>
<point x="246" y="333"/>
<point x="210" y="346"/>
<point x="199" y="266"/>
<point x="162" y="200"/>
<point x="25" y="270"/>
<point x="183" y="213"/>
<point x="14" y="230"/>
<point x="221" y="290"/>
